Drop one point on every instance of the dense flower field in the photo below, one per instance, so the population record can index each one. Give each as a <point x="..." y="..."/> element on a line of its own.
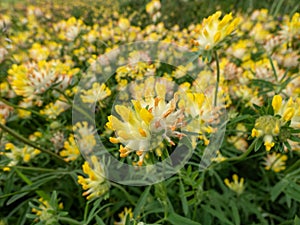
<point x="111" y="119"/>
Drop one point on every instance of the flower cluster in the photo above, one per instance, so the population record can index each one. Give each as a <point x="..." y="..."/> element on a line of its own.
<point x="236" y="185"/>
<point x="169" y="86"/>
<point x="95" y="185"/>
<point x="212" y="30"/>
<point x="270" y="126"/>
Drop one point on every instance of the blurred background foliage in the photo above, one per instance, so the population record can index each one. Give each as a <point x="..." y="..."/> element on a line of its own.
<point x="174" y="12"/>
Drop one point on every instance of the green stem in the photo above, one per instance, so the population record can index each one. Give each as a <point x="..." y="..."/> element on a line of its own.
<point x="218" y="77"/>
<point x="28" y="142"/>
<point x="244" y="155"/>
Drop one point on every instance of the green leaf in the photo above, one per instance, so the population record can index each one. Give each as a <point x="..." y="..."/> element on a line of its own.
<point x="278" y="188"/>
<point x="183" y="199"/>
<point x="240" y="118"/>
<point x="293" y="192"/>
<point x="217" y="214"/>
<point x="141" y="202"/>
<point x="297" y="220"/>
<point x="99" y="220"/>
<point x="258" y="144"/>
<point x="31" y="186"/>
<point x="235" y="213"/>
<point x="295" y="138"/>
<point x="176" y="219"/>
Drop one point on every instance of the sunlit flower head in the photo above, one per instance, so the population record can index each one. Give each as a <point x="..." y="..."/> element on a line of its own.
<point x="291" y="29"/>
<point x="39" y="52"/>
<point x="275" y="162"/>
<point x="150" y="120"/>
<point x="153" y="6"/>
<point x="97" y="93"/>
<point x="95" y="185"/>
<point x="45" y="211"/>
<point x="18" y="154"/>
<point x="123" y="216"/>
<point x="84" y="135"/>
<point x="214" y="30"/>
<point x="31" y="79"/>
<point x="219" y="157"/>
<point x="70" y="151"/>
<point x="267" y="127"/>
<point x="236" y="185"/>
<point x="70" y="29"/>
<point x="288" y="110"/>
<point x="53" y="110"/>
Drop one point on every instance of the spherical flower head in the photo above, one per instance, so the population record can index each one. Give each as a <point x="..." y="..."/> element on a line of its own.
<point x="153" y="6"/>
<point x="53" y="110"/>
<point x="124" y="24"/>
<point x="95" y="185"/>
<point x="291" y="29"/>
<point x="32" y="79"/>
<point x="46" y="212"/>
<point x="236" y="185"/>
<point x="267" y="127"/>
<point x="275" y="162"/>
<point x="17" y="154"/>
<point x="123" y="216"/>
<point x="98" y="92"/>
<point x="150" y="121"/>
<point x="70" y="151"/>
<point x="84" y="135"/>
<point x="213" y="30"/>
<point x="218" y="158"/>
<point x="39" y="52"/>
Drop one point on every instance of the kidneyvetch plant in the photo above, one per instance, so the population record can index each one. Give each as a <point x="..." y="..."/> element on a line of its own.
<point x="246" y="65"/>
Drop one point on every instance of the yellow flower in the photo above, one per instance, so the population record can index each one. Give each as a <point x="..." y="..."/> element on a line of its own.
<point x="31" y="79"/>
<point x="267" y="127"/>
<point x="213" y="30"/>
<point x="153" y="6"/>
<point x="84" y="135"/>
<point x="45" y="210"/>
<point x="124" y="24"/>
<point x="70" y="151"/>
<point x="276" y="103"/>
<point x="123" y="216"/>
<point x="288" y="110"/>
<point x="236" y="185"/>
<point x="16" y="154"/>
<point x="95" y="185"/>
<point x="275" y="162"/>
<point x="218" y="158"/>
<point x="291" y="29"/>
<point x="54" y="110"/>
<point x="39" y="52"/>
<point x="151" y="120"/>
<point x="96" y="93"/>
